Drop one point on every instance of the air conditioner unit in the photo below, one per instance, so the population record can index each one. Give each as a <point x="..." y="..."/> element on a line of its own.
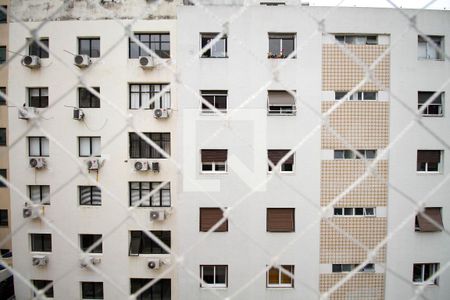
<point x="146" y="62"/>
<point x="141" y="165"/>
<point x="40" y="260"/>
<point x="161" y="113"/>
<point x="89" y="260"/>
<point x="157" y="215"/>
<point x="93" y="164"/>
<point x="38" y="162"/>
<point x="26" y="113"/>
<point x="154" y="263"/>
<point x="32" y="212"/>
<point x="155" y="166"/>
<point x="82" y="60"/>
<point x="31" y="61"/>
<point x="78" y="114"/>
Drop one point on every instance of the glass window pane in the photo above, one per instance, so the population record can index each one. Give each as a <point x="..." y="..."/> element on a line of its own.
<point x="273" y="276"/>
<point x="95" y="48"/>
<point x="35" y="148"/>
<point x="45" y="146"/>
<point x="221" y="274"/>
<point x="85" y="146"/>
<point x="285" y="278"/>
<point x="85" y="46"/>
<point x="96" y="146"/>
<point x="208" y="274"/>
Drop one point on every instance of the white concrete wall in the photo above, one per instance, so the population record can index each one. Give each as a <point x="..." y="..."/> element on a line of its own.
<point x="112" y="74"/>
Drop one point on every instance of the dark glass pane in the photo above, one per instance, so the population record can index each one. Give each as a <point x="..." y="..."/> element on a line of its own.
<point x="221" y="276"/>
<point x="208" y="274"/>
<point x="95" y="48"/>
<point x="85" y="46"/>
<point x="134" y="50"/>
<point x="288" y="47"/>
<point x="274" y="47"/>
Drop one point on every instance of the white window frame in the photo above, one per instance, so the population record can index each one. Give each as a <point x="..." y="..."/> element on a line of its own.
<point x="349" y="154"/>
<point x="347" y="268"/>
<point x="214" y="285"/>
<point x="293" y="108"/>
<point x="357" y="96"/>
<point x="429" y="47"/>
<point x="288" y="35"/>
<point x="425" y="112"/>
<point x="42" y="143"/>
<point x="279" y="284"/>
<point x="213" y="166"/>
<point x="42" y="190"/>
<point x="91" y="140"/>
<point x="350" y="39"/>
<point x="353" y="214"/>
<point x="439" y="168"/>
<point x="434" y="267"/>
<point x="208" y="111"/>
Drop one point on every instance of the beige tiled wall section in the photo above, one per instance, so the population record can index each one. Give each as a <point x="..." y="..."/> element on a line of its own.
<point x="364" y="125"/>
<point x="338" y="175"/>
<point x="338" y="248"/>
<point x="367" y="286"/>
<point x="341" y="72"/>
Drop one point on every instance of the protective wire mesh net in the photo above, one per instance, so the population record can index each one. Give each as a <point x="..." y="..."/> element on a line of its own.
<point x="370" y="166"/>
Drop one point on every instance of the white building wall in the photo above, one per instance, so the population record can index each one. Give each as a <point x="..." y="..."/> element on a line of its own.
<point x="112" y="74"/>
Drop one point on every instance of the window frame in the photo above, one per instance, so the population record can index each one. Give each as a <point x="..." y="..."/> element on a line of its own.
<point x="281" y="168"/>
<point x="4" y="15"/>
<point x="353" y="214"/>
<point x="3" y="137"/>
<point x="92" y="191"/>
<point x="214" y="94"/>
<point x="153" y="153"/>
<point x="280" y="274"/>
<point x="91" y="51"/>
<point x="152" y="92"/>
<point x="41" y="284"/>
<point x="4" y="174"/>
<point x="94" y="285"/>
<point x="41" y="199"/>
<point x="91" y="142"/>
<point x="203" y="284"/>
<point x="224" y="224"/>
<point x="440" y="106"/>
<point x="163" y="285"/>
<point x="285" y="109"/>
<point x="349" y="39"/>
<point x="45" y="239"/>
<point x="152" y="186"/>
<point x="426" y="171"/>
<point x="42" y="99"/>
<point x="41" y="142"/>
<point x="429" y="46"/>
<point x="434" y="268"/>
<point x="4" y="218"/>
<point x="210" y="36"/>
<point x="165" y="236"/>
<point x="356" y="96"/>
<point x="268" y="226"/>
<point x="88" y="239"/>
<point x="3" y="99"/>
<point x="142" y="52"/>
<point x="282" y="36"/>
<point x="90" y="98"/>
<point x="38" y="51"/>
<point x="347" y="268"/>
<point x="348" y="154"/>
<point x="4" y="51"/>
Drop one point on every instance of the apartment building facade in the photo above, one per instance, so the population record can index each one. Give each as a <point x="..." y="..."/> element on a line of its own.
<point x="258" y="198"/>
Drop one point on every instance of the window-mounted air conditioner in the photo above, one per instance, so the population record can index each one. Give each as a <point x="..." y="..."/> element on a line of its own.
<point x="82" y="60"/>
<point x="78" y="114"/>
<point x="26" y="113"/>
<point x="154" y="263"/>
<point x="89" y="260"/>
<point x="141" y="165"/>
<point x="38" y="162"/>
<point x="161" y="113"/>
<point x="146" y="62"/>
<point x="32" y="212"/>
<point x="157" y="215"/>
<point x="93" y="164"/>
<point x="31" y="61"/>
<point x="40" y="260"/>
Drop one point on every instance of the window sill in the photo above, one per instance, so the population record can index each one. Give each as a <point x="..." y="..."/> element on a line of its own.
<point x="429" y="172"/>
<point x="280" y="286"/>
<point x="206" y="287"/>
<point x="212" y="113"/>
<point x="213" y="173"/>
<point x="209" y="57"/>
<point x="430" y="59"/>
<point x="431" y="116"/>
<point x="281" y="114"/>
<point x="430" y="284"/>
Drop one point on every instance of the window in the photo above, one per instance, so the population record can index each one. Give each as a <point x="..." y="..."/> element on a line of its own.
<point x="423" y="272"/>
<point x="157" y="42"/>
<point x="87" y="240"/>
<point x="139" y="148"/>
<point x="422" y="224"/>
<point x="2" y="136"/>
<point x="89" y="46"/>
<point x="39" y="194"/>
<point x="272" y="3"/>
<point x="46" y="285"/>
<point x="159" y="290"/>
<point x="4" y="14"/>
<point x="435" y="107"/>
<point x="140" y="193"/>
<point x="90" y="195"/>
<point x="2" y="54"/>
<point x="218" y="49"/>
<point x="428" y="50"/>
<point x="282" y="276"/>
<point x="362" y="96"/>
<point x="428" y="161"/>
<point x="37" y="50"/>
<point x="38" y="146"/>
<point x="281" y="45"/>
<point x="91" y="290"/>
<point x="141" y="94"/>
<point x="275" y="156"/>
<point x="340" y="268"/>
<point x="3" y="173"/>
<point x="141" y="243"/>
<point x="214" y="161"/>
<point x="215" y="276"/>
<point x="209" y="217"/>
<point x="280" y="103"/>
<point x="88" y="100"/>
<point x="38" y="97"/>
<point x="5" y="253"/>
<point x="2" y="98"/>
<point x="41" y="242"/>
<point x="354" y="211"/>
<point x="357" y="39"/>
<point x="89" y="146"/>
<point x="280" y="219"/>
<point x="217" y="99"/>
<point x="3" y="217"/>
<point x="350" y="154"/>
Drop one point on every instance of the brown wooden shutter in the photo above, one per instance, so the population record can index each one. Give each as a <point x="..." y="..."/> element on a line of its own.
<point x="280" y="98"/>
<point x="430" y="156"/>
<point x="280" y="220"/>
<point x="276" y="155"/>
<point x="214" y="155"/>
<point x="209" y="217"/>
<point x="433" y="213"/>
